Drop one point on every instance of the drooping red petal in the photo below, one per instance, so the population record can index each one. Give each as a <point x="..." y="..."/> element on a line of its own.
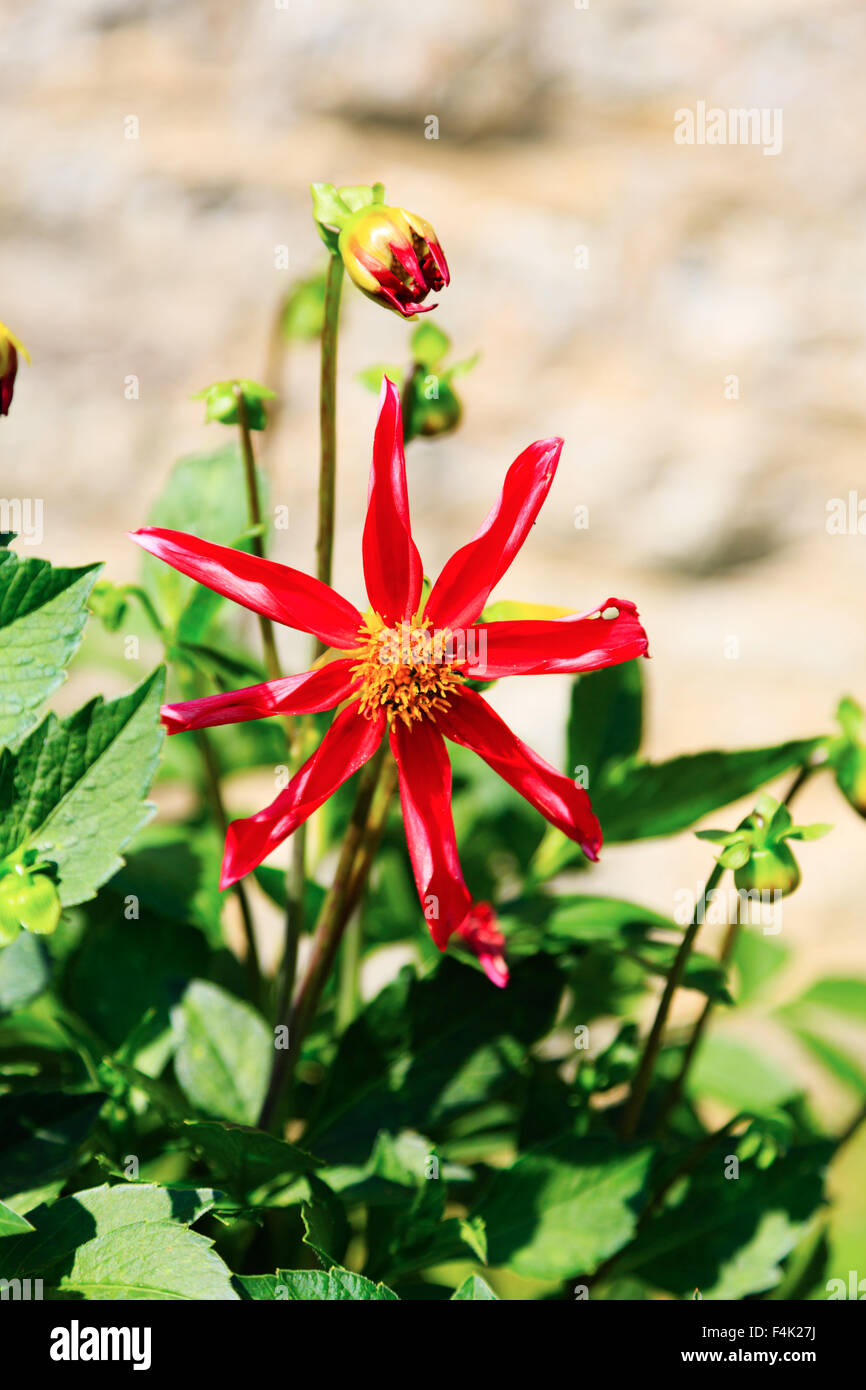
<point x="462" y="588"/>
<point x="533" y="646"/>
<point x="470" y="721"/>
<point x="425" y="796"/>
<point x="351" y="740"/>
<point x="482" y="936"/>
<point x="286" y="595"/>
<point x="307" y="693"/>
<point x="392" y="565"/>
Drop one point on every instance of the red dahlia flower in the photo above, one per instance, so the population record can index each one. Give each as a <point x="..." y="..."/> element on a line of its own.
<point x="404" y="674"/>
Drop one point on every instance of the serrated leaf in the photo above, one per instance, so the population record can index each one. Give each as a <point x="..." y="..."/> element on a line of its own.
<point x="605" y="720"/>
<point x="474" y="1290"/>
<point x="75" y="790"/>
<point x="725" y="1235"/>
<point x="427" y="1049"/>
<point x="43" y="612"/>
<point x="224" y="1052"/>
<point x="317" y="1285"/>
<point x="125" y="1242"/>
<point x="565" y="1206"/>
<point x="244" y="1159"/>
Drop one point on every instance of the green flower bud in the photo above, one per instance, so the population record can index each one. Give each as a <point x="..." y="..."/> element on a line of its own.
<point x="29" y="901"/>
<point x="222" y="402"/>
<point x="771" y="870"/>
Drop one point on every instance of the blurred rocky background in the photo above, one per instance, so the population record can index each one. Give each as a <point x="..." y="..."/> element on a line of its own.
<point x="691" y="318"/>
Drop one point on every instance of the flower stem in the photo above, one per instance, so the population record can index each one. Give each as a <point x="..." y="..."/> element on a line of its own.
<point x="356" y="855"/>
<point x="728" y="947"/>
<point x="212" y="784"/>
<point x="640" y="1085"/>
<point x="272" y="661"/>
<point x="328" y="420"/>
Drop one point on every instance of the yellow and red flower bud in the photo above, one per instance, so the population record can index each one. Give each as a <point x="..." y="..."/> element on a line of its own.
<point x="394" y="256"/>
<point x="9" y="350"/>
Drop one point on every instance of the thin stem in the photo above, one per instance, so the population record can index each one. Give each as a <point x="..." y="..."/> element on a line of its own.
<point x="334" y="914"/>
<point x="214" y="792"/>
<point x="348" y="971"/>
<point x="272" y="661"/>
<point x="640" y="1085"/>
<point x="328" y="420"/>
<point x="728" y="947"/>
<point x="678" y="1084"/>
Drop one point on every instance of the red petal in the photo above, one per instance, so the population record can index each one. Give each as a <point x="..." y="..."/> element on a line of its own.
<point x="425" y="796"/>
<point x="469" y="720"/>
<point x="482" y="936"/>
<point x="307" y="693"/>
<point x="392" y="565"/>
<point x="576" y="643"/>
<point x="462" y="588"/>
<point x="286" y="595"/>
<point x="349" y="743"/>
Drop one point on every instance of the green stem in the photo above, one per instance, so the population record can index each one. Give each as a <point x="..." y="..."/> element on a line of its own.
<point x="272" y="661"/>
<point x="728" y="947"/>
<point x="349" y="968"/>
<point x="214" y="792"/>
<point x="640" y="1085"/>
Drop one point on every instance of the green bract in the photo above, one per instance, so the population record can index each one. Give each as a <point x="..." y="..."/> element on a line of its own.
<point x="222" y="403"/>
<point x="757" y="850"/>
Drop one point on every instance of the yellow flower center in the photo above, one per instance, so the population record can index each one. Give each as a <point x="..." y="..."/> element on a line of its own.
<point x="407" y="671"/>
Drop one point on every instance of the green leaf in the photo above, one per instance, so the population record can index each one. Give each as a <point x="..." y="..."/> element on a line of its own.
<point x="758" y="959"/>
<point x="371" y="377"/>
<point x="326" y="1229"/>
<point x="727" y="1235"/>
<point x="315" y="1285"/>
<point x="41" y="1137"/>
<point x="128" y="1242"/>
<point x="206" y="495"/>
<point x="74" y="790"/>
<point x="244" y="1160"/>
<point x="224" y="1053"/>
<point x="11" y="1224"/>
<point x="605" y="720"/>
<point x="43" y="612"/>
<point x="428" y="1049"/>
<point x="24" y="972"/>
<point x="844" y="1067"/>
<point x="647" y="799"/>
<point x="841" y="995"/>
<point x="565" y="1206"/>
<point x="303" y="309"/>
<point x="739" y="1075"/>
<point x="429" y="344"/>
<point x="474" y="1290"/>
<point x="154" y="958"/>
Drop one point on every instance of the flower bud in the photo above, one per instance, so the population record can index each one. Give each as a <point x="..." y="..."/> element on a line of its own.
<point x="9" y="350"/>
<point x="394" y="257"/>
<point x="29" y="901"/>
<point x="770" y="870"/>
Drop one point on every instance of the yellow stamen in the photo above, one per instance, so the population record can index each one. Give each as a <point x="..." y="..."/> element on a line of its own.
<point x="407" y="671"/>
